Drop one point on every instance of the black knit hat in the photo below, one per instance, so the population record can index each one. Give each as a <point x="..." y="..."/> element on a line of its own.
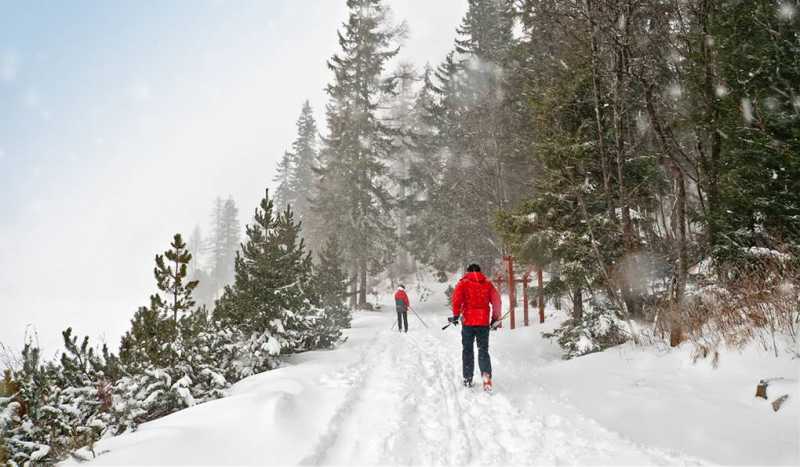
<point x="473" y="268"/>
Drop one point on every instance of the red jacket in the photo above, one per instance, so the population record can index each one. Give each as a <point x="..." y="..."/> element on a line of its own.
<point x="472" y="297"/>
<point x="401" y="300"/>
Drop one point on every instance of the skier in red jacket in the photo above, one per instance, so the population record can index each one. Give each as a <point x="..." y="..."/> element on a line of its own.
<point x="402" y="305"/>
<point x="472" y="298"/>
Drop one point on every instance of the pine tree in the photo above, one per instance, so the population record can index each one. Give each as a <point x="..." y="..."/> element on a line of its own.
<point x="283" y="192"/>
<point x="480" y="172"/>
<point x="331" y="281"/>
<point x="304" y="153"/>
<point x="273" y="301"/>
<point x="224" y="242"/>
<point x="152" y="339"/>
<point x="756" y="45"/>
<point x="230" y="244"/>
<point x="353" y="198"/>
<point x="196" y="246"/>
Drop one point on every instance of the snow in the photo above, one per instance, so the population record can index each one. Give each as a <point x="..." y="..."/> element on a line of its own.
<point x="388" y="398"/>
<point x="786" y="11"/>
<point x="747" y="110"/>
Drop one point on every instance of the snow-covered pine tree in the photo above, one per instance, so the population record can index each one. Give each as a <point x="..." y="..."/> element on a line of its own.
<point x="153" y="337"/>
<point x="48" y="411"/>
<point x="24" y="419"/>
<point x="273" y="302"/>
<point x="352" y="195"/>
<point x="169" y="356"/>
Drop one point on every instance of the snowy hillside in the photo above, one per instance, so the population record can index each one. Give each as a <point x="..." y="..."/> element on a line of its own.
<point x="389" y="398"/>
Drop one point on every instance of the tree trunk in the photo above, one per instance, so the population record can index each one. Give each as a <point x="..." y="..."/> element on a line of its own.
<point x="577" y="304"/>
<point x="676" y="328"/>
<point x="710" y="162"/>
<point x="629" y="292"/>
<point x="598" y="110"/>
<point x="353" y="290"/>
<point x="362" y="291"/>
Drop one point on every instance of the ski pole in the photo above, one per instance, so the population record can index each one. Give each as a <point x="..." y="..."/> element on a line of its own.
<point x="418" y="317"/>
<point x="449" y="324"/>
<point x="500" y="321"/>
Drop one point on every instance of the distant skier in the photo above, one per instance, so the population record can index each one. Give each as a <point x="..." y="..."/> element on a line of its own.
<point x="402" y="305"/>
<point x="472" y="298"/>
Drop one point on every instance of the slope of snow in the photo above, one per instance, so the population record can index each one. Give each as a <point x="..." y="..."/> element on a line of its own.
<point x="390" y="398"/>
<point x="663" y="399"/>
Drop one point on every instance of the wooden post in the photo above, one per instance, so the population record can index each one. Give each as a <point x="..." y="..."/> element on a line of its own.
<point x="539" y="279"/>
<point x="511" y="291"/>
<point x="525" y="296"/>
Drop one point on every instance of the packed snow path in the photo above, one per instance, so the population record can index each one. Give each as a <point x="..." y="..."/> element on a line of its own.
<point x="407" y="407"/>
<point x="386" y="398"/>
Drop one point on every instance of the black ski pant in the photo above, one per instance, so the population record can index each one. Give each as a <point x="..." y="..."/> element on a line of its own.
<point x="470" y="334"/>
<point x="402" y="321"/>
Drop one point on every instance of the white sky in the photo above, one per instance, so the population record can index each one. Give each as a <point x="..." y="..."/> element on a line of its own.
<point x="106" y="155"/>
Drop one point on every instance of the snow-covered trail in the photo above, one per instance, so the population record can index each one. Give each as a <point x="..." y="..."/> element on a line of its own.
<point x="409" y="409"/>
<point x="386" y="398"/>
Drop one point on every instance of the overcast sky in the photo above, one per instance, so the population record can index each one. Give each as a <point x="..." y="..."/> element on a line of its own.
<point x="120" y="122"/>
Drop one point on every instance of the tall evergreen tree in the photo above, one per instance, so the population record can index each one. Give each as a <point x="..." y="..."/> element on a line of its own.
<point x="353" y="198"/>
<point x="304" y="153"/>
<point x="224" y="242"/>
<point x="283" y="192"/>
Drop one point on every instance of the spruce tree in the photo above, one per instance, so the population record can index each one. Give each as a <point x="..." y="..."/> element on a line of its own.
<point x="304" y="154"/>
<point x="273" y="300"/>
<point x="283" y="193"/>
<point x="331" y="281"/>
<point x="756" y="46"/>
<point x="353" y="196"/>
<point x="224" y="241"/>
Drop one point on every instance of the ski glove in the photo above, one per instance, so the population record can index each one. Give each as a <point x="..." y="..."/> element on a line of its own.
<point x="453" y="320"/>
<point x="494" y="324"/>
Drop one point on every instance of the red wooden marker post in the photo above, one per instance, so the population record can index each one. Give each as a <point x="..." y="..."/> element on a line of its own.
<point x="512" y="299"/>
<point x="541" y="294"/>
<point x="525" y="296"/>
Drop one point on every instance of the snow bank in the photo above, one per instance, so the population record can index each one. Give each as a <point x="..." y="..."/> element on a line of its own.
<point x="660" y="398"/>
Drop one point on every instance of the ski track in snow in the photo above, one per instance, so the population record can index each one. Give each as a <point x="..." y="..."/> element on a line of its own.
<point x="406" y="406"/>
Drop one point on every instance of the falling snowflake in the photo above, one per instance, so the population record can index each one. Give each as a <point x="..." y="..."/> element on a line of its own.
<point x="747" y="110"/>
<point x="675" y="91"/>
<point x="786" y="11"/>
<point x="771" y="103"/>
<point x="642" y="122"/>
